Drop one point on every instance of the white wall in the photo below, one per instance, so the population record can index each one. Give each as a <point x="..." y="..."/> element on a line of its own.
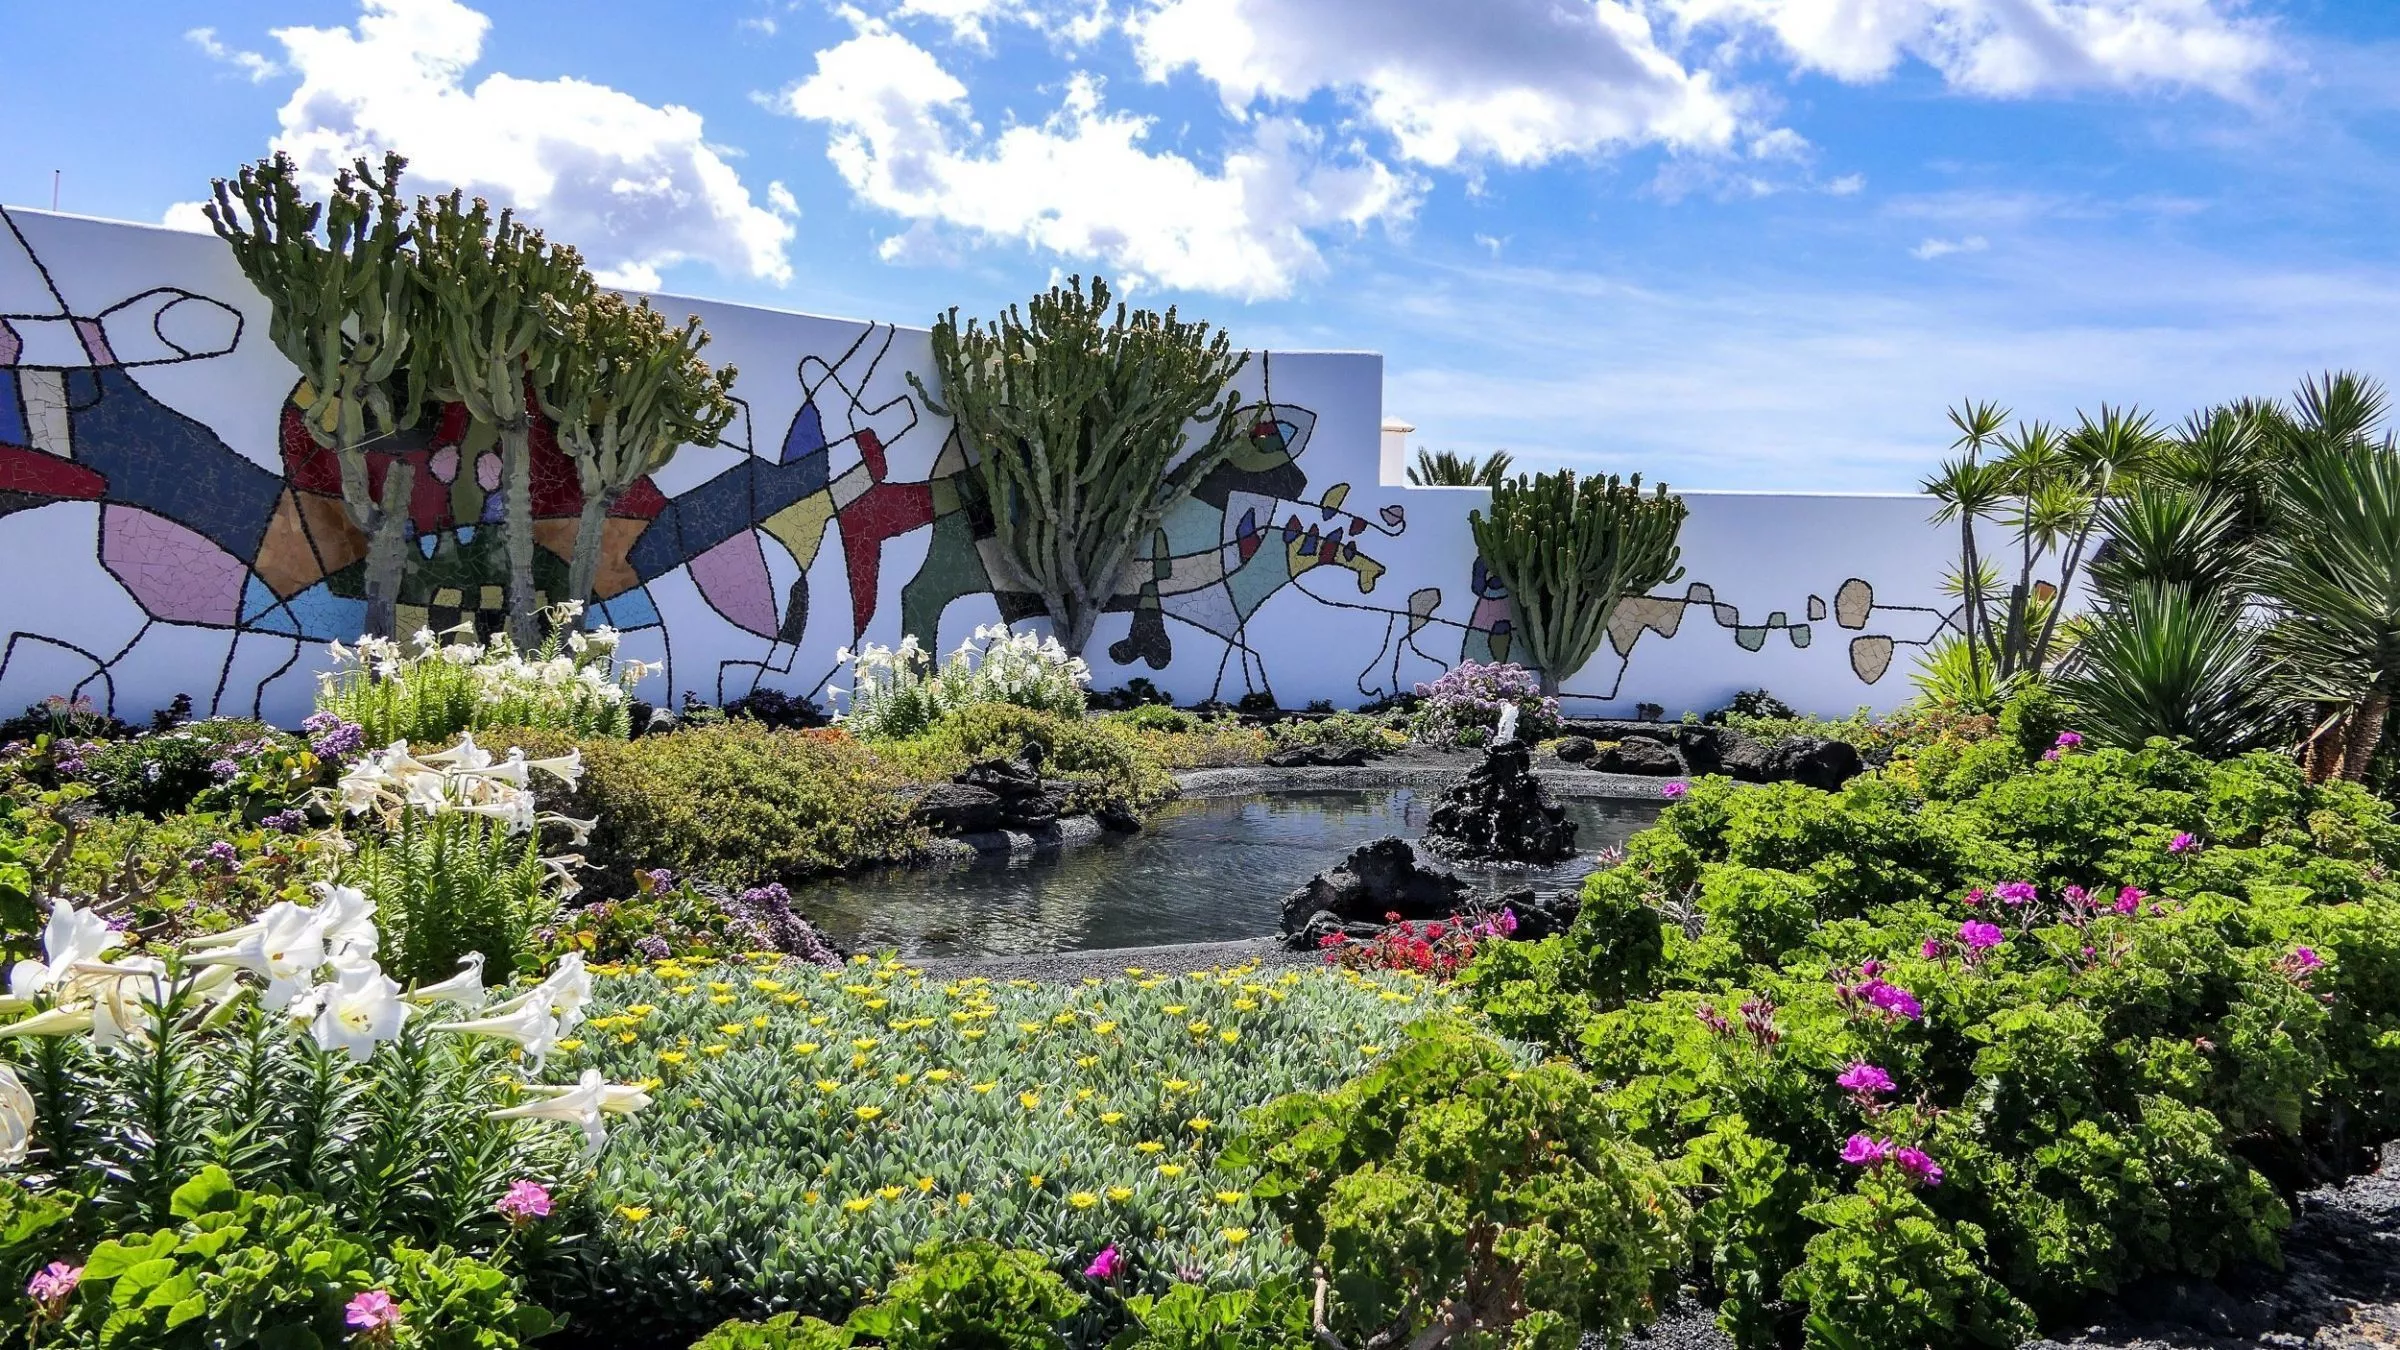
<point x="147" y="542"/>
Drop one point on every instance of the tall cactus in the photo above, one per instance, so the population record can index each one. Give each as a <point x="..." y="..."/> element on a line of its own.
<point x="635" y="391"/>
<point x="1078" y="423"/>
<point x="1569" y="550"/>
<point x="343" y="308"/>
<point x="501" y="299"/>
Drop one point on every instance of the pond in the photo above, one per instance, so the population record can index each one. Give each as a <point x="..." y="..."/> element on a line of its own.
<point x="1201" y="871"/>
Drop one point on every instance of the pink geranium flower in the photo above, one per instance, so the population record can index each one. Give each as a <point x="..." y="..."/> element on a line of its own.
<point x="1980" y="937"/>
<point x="373" y="1313"/>
<point x="1673" y="791"/>
<point x="52" y="1286"/>
<point x="1919" y="1165"/>
<point x="1865" y="1150"/>
<point x="1865" y="1079"/>
<point x="2183" y="842"/>
<point x="1106" y="1265"/>
<point x="525" y="1202"/>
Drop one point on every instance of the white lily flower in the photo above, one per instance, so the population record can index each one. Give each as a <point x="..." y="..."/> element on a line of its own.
<point x="121" y="996"/>
<point x="566" y="768"/>
<point x="16" y="1118"/>
<point x="464" y="989"/>
<point x="527" y="1023"/>
<point x="349" y="918"/>
<point x="72" y="936"/>
<point x="583" y="1106"/>
<point x="466" y="755"/>
<point x="286" y="945"/>
<point x="357" y="1011"/>
<point x="428" y="792"/>
<point x="424" y="637"/>
<point x="56" y="1022"/>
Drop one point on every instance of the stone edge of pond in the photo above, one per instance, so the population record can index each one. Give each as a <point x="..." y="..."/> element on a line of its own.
<point x="1581" y="784"/>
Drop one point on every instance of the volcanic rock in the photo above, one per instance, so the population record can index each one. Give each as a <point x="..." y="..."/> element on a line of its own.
<point x="1378" y="878"/>
<point x="1498" y="814"/>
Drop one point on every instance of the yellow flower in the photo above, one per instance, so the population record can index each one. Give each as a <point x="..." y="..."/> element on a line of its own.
<point x="787" y="1000"/>
<point x="810" y="1196"/>
<point x="1034" y="1180"/>
<point x="1133" y="970"/>
<point x="1231" y="1197"/>
<point x="876" y="1004"/>
<point x="626" y="1038"/>
<point x="719" y="987"/>
<point x="1030" y="1028"/>
<point x="865" y="1042"/>
<point x="720" y="999"/>
<point x="963" y="1199"/>
<point x="807" y="1047"/>
<point x="868" y="1113"/>
<point x="1370" y="1050"/>
<point x="1245" y="1005"/>
<point x="687" y="989"/>
<point x="1111" y="1117"/>
<point x="1198" y="1028"/>
<point x="1083" y="1199"/>
<point x="759" y="1021"/>
<point x="1178" y="1085"/>
<point x="633" y="1213"/>
<point x="828" y="1085"/>
<point x="1229" y="1036"/>
<point x="985" y="1087"/>
<point x="1085" y="1094"/>
<point x="1120" y="1194"/>
<point x="924" y="1184"/>
<point x="858" y="1204"/>
<point x="1389" y="996"/>
<point x="903" y="1079"/>
<point x="717" y="1049"/>
<point x="1173" y="1010"/>
<point x="1199" y="1124"/>
<point x="820" y="1019"/>
<point x="767" y="986"/>
<point x="891" y="1192"/>
<point x="1149" y="1146"/>
<point x="1064" y="1019"/>
<point x="1236" y="1236"/>
<point x="858" y="1061"/>
<point x="1087" y="1062"/>
<point x="974" y="1035"/>
<point x="1104" y="1028"/>
<point x="939" y="1075"/>
<point x="570" y="1043"/>
<point x="641" y="1009"/>
<point x="672" y="1057"/>
<point x="731" y="1028"/>
<point x="1170" y="1169"/>
<point x="1029" y="1100"/>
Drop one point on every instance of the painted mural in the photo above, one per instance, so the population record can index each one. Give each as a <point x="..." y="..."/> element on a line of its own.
<point x="168" y="527"/>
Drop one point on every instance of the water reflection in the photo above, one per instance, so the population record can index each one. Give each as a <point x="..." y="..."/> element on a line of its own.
<point x="1204" y="871"/>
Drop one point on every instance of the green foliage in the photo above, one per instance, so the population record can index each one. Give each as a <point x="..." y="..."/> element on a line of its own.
<point x="167" y="772"/>
<point x="970" y="1296"/>
<point x="737" y="803"/>
<point x="450" y="885"/>
<point x="1273" y="1316"/>
<point x="431" y="690"/>
<point x="2334" y="571"/>
<point x="1569" y="550"/>
<point x="2120" y="1085"/>
<point x="1452" y="1185"/>
<point x="1448" y="468"/>
<point x="904" y="692"/>
<point x="1885" y="1272"/>
<point x="1341" y="731"/>
<point x="30" y="1226"/>
<point x="784" y="1331"/>
<point x="2161" y="661"/>
<point x="243" y="1267"/>
<point x="1077" y="423"/>
<point x="1104" y="764"/>
<point x="793" y="1165"/>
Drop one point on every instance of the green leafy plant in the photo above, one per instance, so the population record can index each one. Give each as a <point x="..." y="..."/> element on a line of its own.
<point x="1569" y="551"/>
<point x="1273" y="1316"/>
<point x="1452" y="1195"/>
<point x="1448" y="468"/>
<point x="953" y="1296"/>
<point x="903" y="693"/>
<point x="431" y="690"/>
<point x="1077" y="424"/>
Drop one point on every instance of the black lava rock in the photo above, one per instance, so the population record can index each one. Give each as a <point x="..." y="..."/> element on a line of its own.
<point x="1378" y="878"/>
<point x="957" y="808"/>
<point x="1500" y="815"/>
<point x="1576" y="749"/>
<point x="1317" y="757"/>
<point x="1540" y="916"/>
<point x="1644" y="757"/>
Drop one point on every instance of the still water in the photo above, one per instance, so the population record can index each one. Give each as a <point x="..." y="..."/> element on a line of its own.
<point x="1201" y="871"/>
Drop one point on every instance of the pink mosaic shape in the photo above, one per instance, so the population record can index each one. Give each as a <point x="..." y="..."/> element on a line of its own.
<point x="732" y="577"/>
<point x="177" y="574"/>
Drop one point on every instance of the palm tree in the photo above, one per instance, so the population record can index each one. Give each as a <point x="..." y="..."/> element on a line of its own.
<point x="1451" y="469"/>
<point x="1970" y="488"/>
<point x="2333" y="570"/>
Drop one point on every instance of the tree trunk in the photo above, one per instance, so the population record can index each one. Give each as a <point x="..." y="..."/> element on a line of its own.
<point x="590" y="526"/>
<point x="1550" y="681"/>
<point x="387" y="550"/>
<point x="516" y="452"/>
<point x="2365" y="732"/>
<point x="1971" y="583"/>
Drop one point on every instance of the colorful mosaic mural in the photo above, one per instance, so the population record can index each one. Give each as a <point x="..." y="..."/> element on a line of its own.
<point x="169" y="527"/>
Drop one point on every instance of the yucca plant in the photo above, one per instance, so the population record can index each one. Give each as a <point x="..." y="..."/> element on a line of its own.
<point x="2334" y="571"/>
<point x="1570" y="550"/>
<point x="2164" y="535"/>
<point x="2161" y="661"/>
<point x="1448" y="468"/>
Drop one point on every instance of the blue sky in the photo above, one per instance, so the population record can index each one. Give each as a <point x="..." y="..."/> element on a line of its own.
<point x="1730" y="243"/>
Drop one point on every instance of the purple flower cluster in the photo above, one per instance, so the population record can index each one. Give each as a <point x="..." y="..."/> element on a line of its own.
<point x="763" y="917"/>
<point x="1865" y="1080"/>
<point x="2067" y="740"/>
<point x="1673" y="791"/>
<point x="1758" y="1021"/>
<point x="1980" y="937"/>
<point x="2183" y="842"/>
<point x="216" y="858"/>
<point x="1471" y="696"/>
<point x="333" y="740"/>
<point x="1874" y="991"/>
<point x="2017" y="893"/>
<point x="290" y="820"/>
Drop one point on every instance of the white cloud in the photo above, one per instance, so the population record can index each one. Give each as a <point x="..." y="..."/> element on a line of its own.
<point x="1516" y="81"/>
<point x="1942" y="248"/>
<point x="1083" y="183"/>
<point x="257" y="67"/>
<point x="635" y="186"/>
<point x="1076" y="22"/>
<point x="2012" y="48"/>
<point x="1849" y="184"/>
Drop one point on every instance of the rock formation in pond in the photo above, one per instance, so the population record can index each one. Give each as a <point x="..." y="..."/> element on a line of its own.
<point x="1318" y="757"/>
<point x="1003" y="794"/>
<point x="1670" y="750"/>
<point x="1500" y="815"/>
<point x="1378" y="878"/>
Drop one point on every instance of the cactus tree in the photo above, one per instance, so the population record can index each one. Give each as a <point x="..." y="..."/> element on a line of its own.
<point x="1078" y="423"/>
<point x="501" y="299"/>
<point x="635" y="392"/>
<point x="1569" y="550"/>
<point x="344" y="301"/>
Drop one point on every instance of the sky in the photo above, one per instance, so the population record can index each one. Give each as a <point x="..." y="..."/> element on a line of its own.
<point x="1735" y="244"/>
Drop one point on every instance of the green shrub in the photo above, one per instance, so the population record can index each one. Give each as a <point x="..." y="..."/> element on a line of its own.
<point x="1342" y="731"/>
<point x="247" y="1267"/>
<point x="784" y="1331"/>
<point x="1452" y="1183"/>
<point x="1104" y="763"/>
<point x="2122" y="1000"/>
<point x="451" y="886"/>
<point x="169" y="877"/>
<point x="213" y="764"/>
<point x="429" y="691"/>
<point x="1274" y="1316"/>
<point x="737" y="803"/>
<point x="814" y="1128"/>
<point x="903" y="692"/>
<point x="970" y="1294"/>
